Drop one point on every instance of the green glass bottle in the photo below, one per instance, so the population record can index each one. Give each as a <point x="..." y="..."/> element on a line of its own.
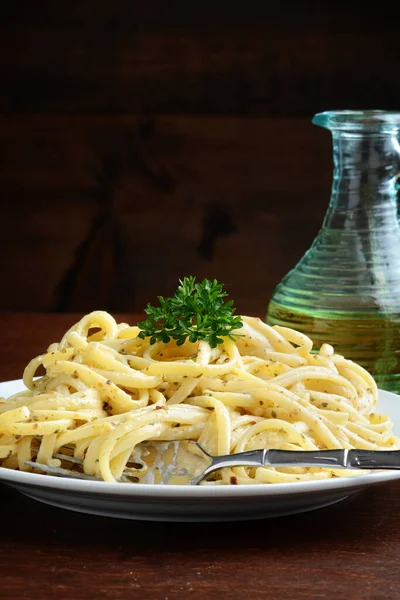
<point x="346" y="288"/>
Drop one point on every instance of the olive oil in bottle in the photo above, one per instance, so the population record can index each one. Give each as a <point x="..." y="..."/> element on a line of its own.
<point x="346" y="289"/>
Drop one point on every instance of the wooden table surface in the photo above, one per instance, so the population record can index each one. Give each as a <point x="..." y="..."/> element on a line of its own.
<point x="350" y="550"/>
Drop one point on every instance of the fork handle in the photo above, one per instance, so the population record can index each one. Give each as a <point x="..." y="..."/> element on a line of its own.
<point x="333" y="459"/>
<point x="250" y="458"/>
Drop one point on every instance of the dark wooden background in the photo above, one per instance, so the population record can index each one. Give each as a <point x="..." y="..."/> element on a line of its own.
<point x="144" y="141"/>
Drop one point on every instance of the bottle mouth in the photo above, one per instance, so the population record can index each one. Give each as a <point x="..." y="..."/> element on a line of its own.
<point x="363" y="121"/>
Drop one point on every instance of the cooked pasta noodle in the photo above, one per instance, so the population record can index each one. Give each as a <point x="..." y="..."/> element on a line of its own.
<point x="106" y="392"/>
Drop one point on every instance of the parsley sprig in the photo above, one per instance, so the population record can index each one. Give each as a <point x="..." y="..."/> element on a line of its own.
<point x="196" y="311"/>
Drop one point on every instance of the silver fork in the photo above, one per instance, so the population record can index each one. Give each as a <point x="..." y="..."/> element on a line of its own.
<point x="188" y="463"/>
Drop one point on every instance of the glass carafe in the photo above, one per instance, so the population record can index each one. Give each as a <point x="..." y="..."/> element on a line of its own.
<point x="346" y="288"/>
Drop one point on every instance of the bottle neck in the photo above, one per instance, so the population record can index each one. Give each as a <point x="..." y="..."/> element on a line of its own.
<point x="364" y="190"/>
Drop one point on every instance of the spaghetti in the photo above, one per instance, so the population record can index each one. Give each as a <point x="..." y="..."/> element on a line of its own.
<point x="106" y="392"/>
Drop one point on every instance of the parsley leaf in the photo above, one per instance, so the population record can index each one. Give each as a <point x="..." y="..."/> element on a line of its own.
<point x="196" y="312"/>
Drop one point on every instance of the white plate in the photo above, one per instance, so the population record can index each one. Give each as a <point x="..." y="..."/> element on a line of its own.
<point x="181" y="503"/>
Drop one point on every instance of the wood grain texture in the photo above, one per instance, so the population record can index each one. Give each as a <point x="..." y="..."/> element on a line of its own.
<point x="108" y="212"/>
<point x="348" y="551"/>
<point x="141" y="142"/>
<point x="285" y="58"/>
